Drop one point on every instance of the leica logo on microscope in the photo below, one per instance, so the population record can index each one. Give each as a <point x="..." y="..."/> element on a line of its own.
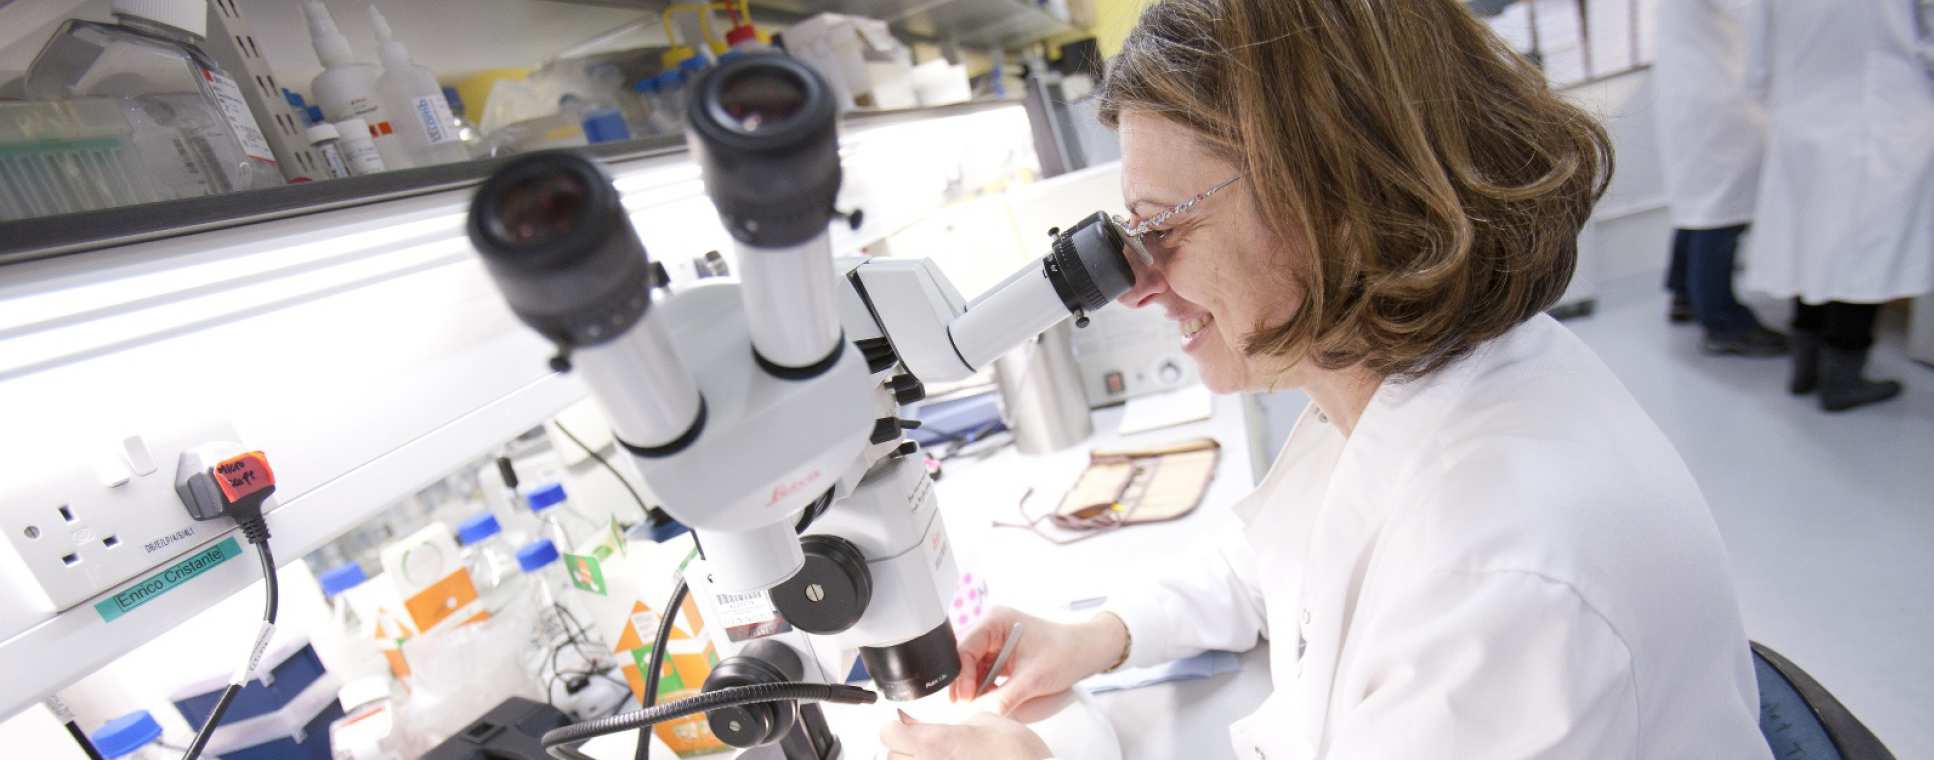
<point x="784" y="490"/>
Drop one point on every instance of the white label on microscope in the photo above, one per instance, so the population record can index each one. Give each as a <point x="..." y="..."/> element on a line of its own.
<point x="749" y="615"/>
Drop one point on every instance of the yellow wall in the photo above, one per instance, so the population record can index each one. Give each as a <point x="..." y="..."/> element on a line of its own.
<point x="1113" y="19"/>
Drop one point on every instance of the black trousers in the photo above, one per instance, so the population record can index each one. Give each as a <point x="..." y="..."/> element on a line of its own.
<point x="1845" y="326"/>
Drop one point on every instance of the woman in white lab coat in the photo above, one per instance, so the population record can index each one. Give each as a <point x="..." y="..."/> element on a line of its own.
<point x="1846" y="201"/>
<point x="1474" y="544"/>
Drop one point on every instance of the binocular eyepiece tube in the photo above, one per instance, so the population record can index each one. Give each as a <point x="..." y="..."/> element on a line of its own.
<point x="763" y="129"/>
<point x="556" y="240"/>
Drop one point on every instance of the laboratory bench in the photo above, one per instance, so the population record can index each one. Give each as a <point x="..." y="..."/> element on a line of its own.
<point x="1025" y="571"/>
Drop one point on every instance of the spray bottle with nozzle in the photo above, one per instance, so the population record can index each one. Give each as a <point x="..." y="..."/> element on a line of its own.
<point x="411" y="93"/>
<point x="346" y="88"/>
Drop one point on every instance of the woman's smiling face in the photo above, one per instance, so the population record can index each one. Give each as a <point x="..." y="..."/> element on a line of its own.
<point x="1217" y="270"/>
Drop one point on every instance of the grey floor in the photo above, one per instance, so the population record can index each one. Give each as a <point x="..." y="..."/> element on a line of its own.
<point x="1829" y="519"/>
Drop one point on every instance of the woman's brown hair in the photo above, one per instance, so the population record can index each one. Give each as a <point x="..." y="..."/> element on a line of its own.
<point x="1438" y="180"/>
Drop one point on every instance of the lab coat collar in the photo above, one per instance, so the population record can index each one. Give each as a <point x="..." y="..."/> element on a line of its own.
<point x="1400" y="431"/>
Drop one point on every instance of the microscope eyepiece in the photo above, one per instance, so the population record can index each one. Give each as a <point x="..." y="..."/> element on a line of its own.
<point x="761" y="98"/>
<point x="540" y="210"/>
<point x="555" y="237"/>
<point x="1088" y="264"/>
<point x="763" y="129"/>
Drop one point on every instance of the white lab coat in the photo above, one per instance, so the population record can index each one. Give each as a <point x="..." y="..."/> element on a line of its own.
<point x="1846" y="203"/>
<point x="1710" y="131"/>
<point x="1505" y="560"/>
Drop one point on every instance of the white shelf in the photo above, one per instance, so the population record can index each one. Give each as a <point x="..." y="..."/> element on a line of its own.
<point x="993" y="24"/>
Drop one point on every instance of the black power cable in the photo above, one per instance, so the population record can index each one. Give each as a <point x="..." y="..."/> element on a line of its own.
<point x="80" y="738"/>
<point x="642" y="507"/>
<point x="55" y="705"/>
<point x="657" y="663"/>
<point x="793" y="691"/>
<point x="268" y="618"/>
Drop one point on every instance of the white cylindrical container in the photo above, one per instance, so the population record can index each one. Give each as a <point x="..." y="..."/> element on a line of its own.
<point x="411" y="95"/>
<point x="790" y="304"/>
<point x="1042" y="401"/>
<point x="346" y="89"/>
<point x="752" y="560"/>
<point x="643" y="358"/>
<point x="358" y="147"/>
<point x="328" y="144"/>
<point x="1012" y="312"/>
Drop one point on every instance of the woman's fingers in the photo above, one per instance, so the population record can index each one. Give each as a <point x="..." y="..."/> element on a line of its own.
<point x="1011" y="695"/>
<point x="962" y="689"/>
<point x="920" y="740"/>
<point x="981" y="644"/>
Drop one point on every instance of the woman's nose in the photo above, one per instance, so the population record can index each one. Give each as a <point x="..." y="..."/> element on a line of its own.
<point x="1149" y="283"/>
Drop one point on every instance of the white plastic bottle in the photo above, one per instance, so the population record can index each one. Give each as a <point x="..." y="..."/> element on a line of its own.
<point x="347" y="645"/>
<point x="571" y="665"/>
<point x="328" y="144"/>
<point x="358" y="147"/>
<point x="486" y="555"/>
<point x="346" y="89"/>
<point x="194" y="131"/>
<point x="369" y="728"/>
<point x="645" y="91"/>
<point x="410" y="93"/>
<point x="601" y="122"/>
<point x="563" y="525"/>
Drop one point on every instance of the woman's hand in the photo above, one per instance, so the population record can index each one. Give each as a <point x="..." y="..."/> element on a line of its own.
<point x="1049" y="658"/>
<point x="982" y="737"/>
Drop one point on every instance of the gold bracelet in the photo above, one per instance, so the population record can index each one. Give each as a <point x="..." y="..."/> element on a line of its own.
<point x="1127" y="643"/>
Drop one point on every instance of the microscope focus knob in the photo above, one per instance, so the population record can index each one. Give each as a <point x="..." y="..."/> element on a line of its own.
<point x="907" y="389"/>
<point x="831" y="590"/>
<point x="878" y="353"/>
<point x="745" y="726"/>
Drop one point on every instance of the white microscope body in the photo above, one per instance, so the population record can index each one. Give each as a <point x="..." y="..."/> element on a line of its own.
<point x="764" y="411"/>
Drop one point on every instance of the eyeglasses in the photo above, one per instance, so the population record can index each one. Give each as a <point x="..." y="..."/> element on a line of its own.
<point x="1155" y="223"/>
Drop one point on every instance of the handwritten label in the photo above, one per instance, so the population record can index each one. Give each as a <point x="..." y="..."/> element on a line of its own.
<point x="242" y="475"/>
<point x="152" y="587"/>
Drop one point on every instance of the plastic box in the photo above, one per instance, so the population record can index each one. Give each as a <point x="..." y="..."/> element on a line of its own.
<point x="862" y="60"/>
<point x="67" y="156"/>
<point x="284" y="714"/>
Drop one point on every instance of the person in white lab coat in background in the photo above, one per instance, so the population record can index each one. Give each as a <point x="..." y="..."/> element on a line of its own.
<point x="1475" y="543"/>
<point x="1710" y="134"/>
<point x="1846" y="199"/>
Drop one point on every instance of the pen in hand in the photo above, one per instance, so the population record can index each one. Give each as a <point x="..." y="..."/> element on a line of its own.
<point x="1000" y="660"/>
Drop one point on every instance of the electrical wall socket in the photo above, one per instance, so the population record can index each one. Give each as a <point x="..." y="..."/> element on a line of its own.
<point x="89" y="522"/>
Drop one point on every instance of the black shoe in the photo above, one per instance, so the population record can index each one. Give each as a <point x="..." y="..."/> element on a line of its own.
<point x="1842" y="386"/>
<point x="1756" y="342"/>
<point x="1806" y="363"/>
<point x="1680" y="311"/>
